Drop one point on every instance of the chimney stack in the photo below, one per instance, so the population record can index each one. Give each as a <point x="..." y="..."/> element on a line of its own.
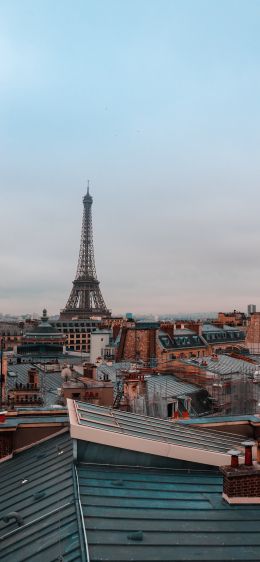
<point x="90" y="371"/>
<point x="241" y="482"/>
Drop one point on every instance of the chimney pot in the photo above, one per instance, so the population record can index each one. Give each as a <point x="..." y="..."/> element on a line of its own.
<point x="248" y="452"/>
<point x="234" y="457"/>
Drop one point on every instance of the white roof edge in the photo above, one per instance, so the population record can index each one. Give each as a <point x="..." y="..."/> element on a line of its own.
<point x="142" y="445"/>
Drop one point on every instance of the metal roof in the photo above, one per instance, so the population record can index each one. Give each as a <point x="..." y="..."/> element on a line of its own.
<point x="112" y="370"/>
<point x="212" y="328"/>
<point x="222" y="419"/>
<point x="154" y="429"/>
<point x="168" y="386"/>
<point x="225" y="365"/>
<point x="39" y="485"/>
<point x="14" y="421"/>
<point x="159" y="514"/>
<point x="183" y="339"/>
<point x="49" y="382"/>
<point x="232" y="328"/>
<point x="184" y="332"/>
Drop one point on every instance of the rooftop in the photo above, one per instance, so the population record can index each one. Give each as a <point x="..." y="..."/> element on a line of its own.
<point x="48" y="382"/>
<point x="39" y="486"/>
<point x="168" y="385"/>
<point x="181" y="339"/>
<point x="224" y="364"/>
<point x="144" y="514"/>
<point x="152" y="435"/>
<point x="15" y="421"/>
<point x="95" y="506"/>
<point x="44" y="328"/>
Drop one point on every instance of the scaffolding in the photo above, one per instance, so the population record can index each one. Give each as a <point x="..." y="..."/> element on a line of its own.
<point x="233" y="393"/>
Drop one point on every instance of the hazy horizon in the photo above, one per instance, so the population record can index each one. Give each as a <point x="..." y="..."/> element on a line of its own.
<point x="157" y="104"/>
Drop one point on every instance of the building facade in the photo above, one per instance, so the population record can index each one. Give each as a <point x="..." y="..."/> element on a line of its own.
<point x="160" y="345"/>
<point x="77" y="333"/>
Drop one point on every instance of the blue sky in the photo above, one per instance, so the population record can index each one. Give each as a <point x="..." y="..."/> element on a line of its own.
<point x="157" y="103"/>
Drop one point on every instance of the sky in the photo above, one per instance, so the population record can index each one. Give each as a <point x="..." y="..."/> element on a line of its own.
<point x="156" y="102"/>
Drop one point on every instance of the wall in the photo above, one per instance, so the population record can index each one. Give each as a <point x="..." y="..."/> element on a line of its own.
<point x="102" y="395"/>
<point x="98" y="341"/>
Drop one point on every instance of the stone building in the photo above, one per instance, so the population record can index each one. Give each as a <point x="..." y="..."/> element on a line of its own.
<point x="77" y="333"/>
<point x="160" y="345"/>
<point x="87" y="388"/>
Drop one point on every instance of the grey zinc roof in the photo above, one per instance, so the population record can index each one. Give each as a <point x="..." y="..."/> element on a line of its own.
<point x="49" y="382"/>
<point x="164" y="515"/>
<point x="168" y="386"/>
<point x="29" y="420"/>
<point x="211" y="328"/>
<point x="226" y="365"/>
<point x="112" y="370"/>
<point x="155" y="429"/>
<point x="184" y="332"/>
<point x="39" y="485"/>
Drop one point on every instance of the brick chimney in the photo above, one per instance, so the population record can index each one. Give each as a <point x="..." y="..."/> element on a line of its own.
<point x="33" y="377"/>
<point x="89" y="371"/>
<point x="168" y="328"/>
<point x="115" y="331"/>
<point x="241" y="482"/>
<point x="195" y="327"/>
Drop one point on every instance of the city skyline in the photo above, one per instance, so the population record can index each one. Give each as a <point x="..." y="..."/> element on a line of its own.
<point x="158" y="105"/>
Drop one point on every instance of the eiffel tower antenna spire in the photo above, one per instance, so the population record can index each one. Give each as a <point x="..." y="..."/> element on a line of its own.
<point x="85" y="299"/>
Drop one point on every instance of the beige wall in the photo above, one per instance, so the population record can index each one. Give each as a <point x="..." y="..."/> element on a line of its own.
<point x="100" y="395"/>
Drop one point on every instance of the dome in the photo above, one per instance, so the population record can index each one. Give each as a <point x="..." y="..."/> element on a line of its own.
<point x="44" y="328"/>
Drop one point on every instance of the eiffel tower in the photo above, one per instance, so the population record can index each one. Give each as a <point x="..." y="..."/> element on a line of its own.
<point x="85" y="299"/>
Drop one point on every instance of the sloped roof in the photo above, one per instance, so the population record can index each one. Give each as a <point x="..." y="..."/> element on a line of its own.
<point x="161" y="437"/>
<point x="211" y="328"/>
<point x="167" y="515"/>
<point x="38" y="484"/>
<point x="168" y="385"/>
<point x="49" y="382"/>
<point x="225" y="365"/>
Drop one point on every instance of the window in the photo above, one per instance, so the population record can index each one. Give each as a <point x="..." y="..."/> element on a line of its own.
<point x="169" y="409"/>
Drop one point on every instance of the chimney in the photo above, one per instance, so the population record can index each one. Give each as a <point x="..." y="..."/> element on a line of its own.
<point x="241" y="482"/>
<point x="33" y="376"/>
<point x="90" y="371"/>
<point x="195" y="327"/>
<point x="168" y="328"/>
<point x="115" y="331"/>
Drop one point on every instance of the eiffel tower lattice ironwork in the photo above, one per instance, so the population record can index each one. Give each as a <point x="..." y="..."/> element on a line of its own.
<point x="86" y="299"/>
